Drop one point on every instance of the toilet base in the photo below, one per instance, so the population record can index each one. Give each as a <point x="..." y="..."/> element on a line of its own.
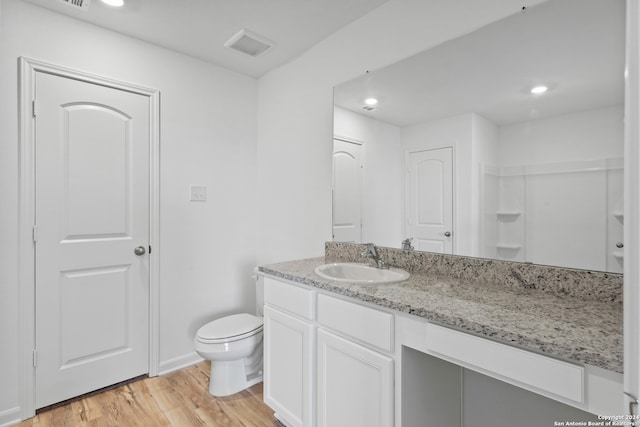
<point x="232" y="377"/>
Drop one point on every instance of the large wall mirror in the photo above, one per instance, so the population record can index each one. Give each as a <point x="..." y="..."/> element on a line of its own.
<point x="506" y="143"/>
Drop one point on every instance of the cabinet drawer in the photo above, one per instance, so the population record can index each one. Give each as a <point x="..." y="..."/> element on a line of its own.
<point x="290" y="298"/>
<point x="363" y="323"/>
<point x="520" y="367"/>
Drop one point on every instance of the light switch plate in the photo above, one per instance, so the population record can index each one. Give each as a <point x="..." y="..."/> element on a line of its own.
<point x="198" y="193"/>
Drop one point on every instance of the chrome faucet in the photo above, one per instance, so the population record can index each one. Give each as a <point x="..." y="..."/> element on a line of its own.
<point x="372" y="252"/>
<point x="406" y="244"/>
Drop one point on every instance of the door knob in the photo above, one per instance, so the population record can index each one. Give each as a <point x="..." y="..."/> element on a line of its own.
<point x="447" y="234"/>
<point x="139" y="251"/>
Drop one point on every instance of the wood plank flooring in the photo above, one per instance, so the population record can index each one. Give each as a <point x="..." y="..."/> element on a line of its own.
<point x="177" y="399"/>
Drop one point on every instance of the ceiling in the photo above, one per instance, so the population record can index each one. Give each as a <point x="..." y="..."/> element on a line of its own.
<point x="200" y="28"/>
<point x="576" y="47"/>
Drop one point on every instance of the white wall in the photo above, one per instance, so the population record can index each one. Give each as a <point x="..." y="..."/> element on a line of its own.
<point x="489" y="402"/>
<point x="208" y="137"/>
<point x="484" y="152"/>
<point x="383" y="183"/>
<point x="585" y="135"/>
<point x="295" y="107"/>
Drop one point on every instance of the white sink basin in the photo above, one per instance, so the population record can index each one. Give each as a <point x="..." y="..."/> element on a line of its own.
<point x="360" y="273"/>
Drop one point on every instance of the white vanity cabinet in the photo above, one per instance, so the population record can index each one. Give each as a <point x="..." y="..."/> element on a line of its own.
<point x="327" y="362"/>
<point x="289" y="352"/>
<point x="355" y="381"/>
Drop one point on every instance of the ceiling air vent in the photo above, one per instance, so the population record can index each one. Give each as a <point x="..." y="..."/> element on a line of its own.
<point x="248" y="43"/>
<point x="77" y="4"/>
<point x="368" y="107"/>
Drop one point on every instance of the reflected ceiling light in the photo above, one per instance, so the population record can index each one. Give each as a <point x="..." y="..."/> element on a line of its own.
<point x="537" y="90"/>
<point x="371" y="101"/>
<point x="114" y="3"/>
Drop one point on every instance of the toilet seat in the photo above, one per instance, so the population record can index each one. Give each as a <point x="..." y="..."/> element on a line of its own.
<point x="230" y="328"/>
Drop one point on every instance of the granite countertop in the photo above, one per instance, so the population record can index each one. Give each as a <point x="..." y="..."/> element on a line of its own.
<point x="565" y="327"/>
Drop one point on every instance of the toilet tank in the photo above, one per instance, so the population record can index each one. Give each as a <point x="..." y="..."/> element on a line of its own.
<point x="259" y="293"/>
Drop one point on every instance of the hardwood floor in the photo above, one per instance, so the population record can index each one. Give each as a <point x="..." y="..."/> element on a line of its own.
<point x="177" y="399"/>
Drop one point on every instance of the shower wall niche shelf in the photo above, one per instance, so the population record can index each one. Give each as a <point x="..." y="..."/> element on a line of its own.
<point x="508" y="215"/>
<point x="508" y="246"/>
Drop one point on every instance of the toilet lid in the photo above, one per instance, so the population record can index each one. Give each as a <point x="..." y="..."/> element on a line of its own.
<point x="231" y="328"/>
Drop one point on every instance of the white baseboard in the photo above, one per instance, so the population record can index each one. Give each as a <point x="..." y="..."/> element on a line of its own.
<point x="178" y="363"/>
<point x="10" y="417"/>
<point x="282" y="421"/>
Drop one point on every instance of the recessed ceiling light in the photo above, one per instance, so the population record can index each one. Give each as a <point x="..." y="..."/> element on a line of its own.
<point x="537" y="90"/>
<point x="114" y="3"/>
<point x="371" y="101"/>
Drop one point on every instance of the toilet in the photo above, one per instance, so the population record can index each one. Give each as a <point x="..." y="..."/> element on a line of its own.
<point x="233" y="344"/>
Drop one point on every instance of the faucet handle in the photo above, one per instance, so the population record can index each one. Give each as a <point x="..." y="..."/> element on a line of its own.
<point x="367" y="251"/>
<point x="406" y="244"/>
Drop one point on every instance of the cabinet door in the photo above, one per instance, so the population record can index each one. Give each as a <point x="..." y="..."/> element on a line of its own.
<point x="355" y="384"/>
<point x="287" y="367"/>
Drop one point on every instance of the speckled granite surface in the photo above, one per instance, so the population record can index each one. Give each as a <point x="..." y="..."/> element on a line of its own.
<point x="565" y="324"/>
<point x="589" y="285"/>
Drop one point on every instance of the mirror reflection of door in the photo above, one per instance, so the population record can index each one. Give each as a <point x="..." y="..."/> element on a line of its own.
<point x="347" y="191"/>
<point x="430" y="199"/>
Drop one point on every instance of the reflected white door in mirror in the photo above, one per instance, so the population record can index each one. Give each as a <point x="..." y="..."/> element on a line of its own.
<point x="347" y="191"/>
<point x="429" y="192"/>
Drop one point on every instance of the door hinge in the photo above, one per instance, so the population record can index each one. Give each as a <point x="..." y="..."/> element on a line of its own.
<point x="35" y="358"/>
<point x="34" y="233"/>
<point x="33" y="108"/>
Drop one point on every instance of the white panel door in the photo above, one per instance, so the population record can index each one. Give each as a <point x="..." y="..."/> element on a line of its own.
<point x="355" y="384"/>
<point x="92" y="210"/>
<point x="347" y="191"/>
<point x="430" y="199"/>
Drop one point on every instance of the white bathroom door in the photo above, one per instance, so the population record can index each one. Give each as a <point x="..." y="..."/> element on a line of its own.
<point x="92" y="211"/>
<point x="347" y="191"/>
<point x="430" y="199"/>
